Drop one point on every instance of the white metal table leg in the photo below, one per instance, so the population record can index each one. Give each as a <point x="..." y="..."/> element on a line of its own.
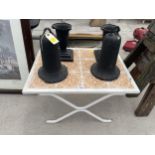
<point x="81" y="109"/>
<point x="75" y="111"/>
<point x="98" y="100"/>
<point x="62" y="117"/>
<point x="97" y="117"/>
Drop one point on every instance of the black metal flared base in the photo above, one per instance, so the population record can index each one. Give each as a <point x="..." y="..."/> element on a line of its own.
<point x="107" y="75"/>
<point x="97" y="54"/>
<point x="53" y="77"/>
<point x="66" y="55"/>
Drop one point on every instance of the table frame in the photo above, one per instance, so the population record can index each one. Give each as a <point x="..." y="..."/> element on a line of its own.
<point x="78" y="109"/>
<point x="108" y="93"/>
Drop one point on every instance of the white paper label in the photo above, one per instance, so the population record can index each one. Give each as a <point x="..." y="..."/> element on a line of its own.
<point x="51" y="38"/>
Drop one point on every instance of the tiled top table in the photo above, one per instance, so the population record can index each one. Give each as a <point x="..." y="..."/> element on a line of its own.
<point x="80" y="80"/>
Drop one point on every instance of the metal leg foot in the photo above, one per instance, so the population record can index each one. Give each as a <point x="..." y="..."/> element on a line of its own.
<point x="62" y="117"/>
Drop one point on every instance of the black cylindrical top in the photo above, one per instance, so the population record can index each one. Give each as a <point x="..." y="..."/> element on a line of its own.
<point x="62" y="32"/>
<point x="62" y="26"/>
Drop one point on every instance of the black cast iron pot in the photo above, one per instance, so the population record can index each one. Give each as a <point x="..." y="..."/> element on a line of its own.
<point x="52" y="70"/>
<point x="62" y="32"/>
<point x="105" y="67"/>
<point x="107" y="28"/>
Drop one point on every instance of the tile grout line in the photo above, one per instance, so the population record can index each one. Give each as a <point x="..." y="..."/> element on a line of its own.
<point x="81" y="71"/>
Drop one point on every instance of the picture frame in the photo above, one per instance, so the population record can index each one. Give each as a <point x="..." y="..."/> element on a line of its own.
<point x="16" y="54"/>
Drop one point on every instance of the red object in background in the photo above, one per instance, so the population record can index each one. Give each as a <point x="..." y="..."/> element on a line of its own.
<point x="139" y="33"/>
<point x="130" y="45"/>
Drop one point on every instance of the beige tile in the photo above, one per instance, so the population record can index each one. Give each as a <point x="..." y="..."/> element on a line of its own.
<point x="91" y="82"/>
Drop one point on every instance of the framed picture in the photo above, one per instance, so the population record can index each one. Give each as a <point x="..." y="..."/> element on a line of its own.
<point x="14" y="64"/>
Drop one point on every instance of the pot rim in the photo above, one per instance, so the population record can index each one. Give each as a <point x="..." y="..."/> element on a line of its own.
<point x="62" y="26"/>
<point x="110" y="28"/>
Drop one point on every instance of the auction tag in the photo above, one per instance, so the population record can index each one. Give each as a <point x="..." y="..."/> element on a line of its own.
<point x="51" y="38"/>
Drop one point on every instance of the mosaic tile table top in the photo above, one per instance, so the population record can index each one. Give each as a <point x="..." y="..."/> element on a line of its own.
<point x="80" y="79"/>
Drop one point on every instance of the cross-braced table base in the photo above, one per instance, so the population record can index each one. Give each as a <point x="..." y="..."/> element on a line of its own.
<point x="81" y="109"/>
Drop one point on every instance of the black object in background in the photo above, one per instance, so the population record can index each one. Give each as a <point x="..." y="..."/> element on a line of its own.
<point x="34" y="23"/>
<point x="52" y="70"/>
<point x="105" y="68"/>
<point x="62" y="31"/>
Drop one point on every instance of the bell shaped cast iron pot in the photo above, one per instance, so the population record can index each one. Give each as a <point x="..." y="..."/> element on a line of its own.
<point x="52" y="70"/>
<point x="107" y="28"/>
<point x="62" y="32"/>
<point x="105" y="67"/>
